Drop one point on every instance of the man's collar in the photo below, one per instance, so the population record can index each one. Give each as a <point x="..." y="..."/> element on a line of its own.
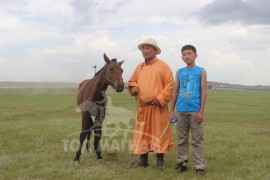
<point x="151" y="62"/>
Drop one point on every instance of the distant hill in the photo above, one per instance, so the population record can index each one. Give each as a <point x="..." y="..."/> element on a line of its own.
<point x="219" y="85"/>
<point x="57" y="85"/>
<point x="37" y="85"/>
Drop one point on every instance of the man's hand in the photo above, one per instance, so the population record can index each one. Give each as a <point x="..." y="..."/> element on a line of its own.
<point x="156" y="102"/>
<point x="134" y="90"/>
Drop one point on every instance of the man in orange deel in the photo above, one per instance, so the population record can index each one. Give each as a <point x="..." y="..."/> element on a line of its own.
<point x="152" y="85"/>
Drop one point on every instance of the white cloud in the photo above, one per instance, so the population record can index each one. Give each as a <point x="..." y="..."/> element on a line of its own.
<point x="62" y="40"/>
<point x="231" y="68"/>
<point x="228" y="60"/>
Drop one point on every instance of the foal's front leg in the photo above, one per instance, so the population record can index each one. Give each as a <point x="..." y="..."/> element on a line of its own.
<point x="87" y="147"/>
<point x="98" y="132"/>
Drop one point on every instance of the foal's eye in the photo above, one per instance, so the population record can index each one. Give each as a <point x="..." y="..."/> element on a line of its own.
<point x="111" y="69"/>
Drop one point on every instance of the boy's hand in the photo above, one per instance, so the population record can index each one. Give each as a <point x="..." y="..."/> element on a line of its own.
<point x="200" y="118"/>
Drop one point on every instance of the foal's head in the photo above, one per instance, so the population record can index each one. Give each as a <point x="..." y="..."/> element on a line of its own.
<point x="113" y="73"/>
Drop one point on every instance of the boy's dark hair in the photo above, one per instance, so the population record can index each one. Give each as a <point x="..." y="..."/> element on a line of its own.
<point x="190" y="47"/>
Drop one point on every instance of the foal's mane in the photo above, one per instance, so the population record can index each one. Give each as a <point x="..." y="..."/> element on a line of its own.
<point x="114" y="60"/>
<point x="100" y="70"/>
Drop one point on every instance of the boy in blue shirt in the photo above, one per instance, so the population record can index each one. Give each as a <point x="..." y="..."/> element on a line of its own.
<point x="189" y="97"/>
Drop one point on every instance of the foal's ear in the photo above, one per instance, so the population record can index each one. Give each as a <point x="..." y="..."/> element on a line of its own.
<point x="107" y="60"/>
<point x="120" y="63"/>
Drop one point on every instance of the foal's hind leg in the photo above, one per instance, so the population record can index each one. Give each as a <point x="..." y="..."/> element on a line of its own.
<point x="87" y="122"/>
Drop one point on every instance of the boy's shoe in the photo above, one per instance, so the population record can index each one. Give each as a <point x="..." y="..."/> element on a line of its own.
<point x="200" y="172"/>
<point x="181" y="168"/>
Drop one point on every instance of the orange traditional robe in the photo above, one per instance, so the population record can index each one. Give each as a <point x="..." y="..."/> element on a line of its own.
<point x="155" y="80"/>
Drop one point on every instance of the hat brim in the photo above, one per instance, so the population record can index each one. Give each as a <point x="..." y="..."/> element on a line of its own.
<point x="140" y="47"/>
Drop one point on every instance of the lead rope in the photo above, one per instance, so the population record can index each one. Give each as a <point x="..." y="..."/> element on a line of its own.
<point x="131" y="155"/>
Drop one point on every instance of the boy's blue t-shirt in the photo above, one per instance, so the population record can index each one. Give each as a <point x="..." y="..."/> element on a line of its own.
<point x="189" y="96"/>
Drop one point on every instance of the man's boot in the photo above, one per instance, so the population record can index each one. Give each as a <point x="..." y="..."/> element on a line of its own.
<point x="160" y="161"/>
<point x="143" y="161"/>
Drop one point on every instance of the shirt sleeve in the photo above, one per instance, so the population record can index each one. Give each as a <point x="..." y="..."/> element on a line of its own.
<point x="133" y="81"/>
<point x="165" y="96"/>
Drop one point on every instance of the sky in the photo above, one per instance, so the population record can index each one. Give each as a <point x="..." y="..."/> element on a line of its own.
<point x="61" y="41"/>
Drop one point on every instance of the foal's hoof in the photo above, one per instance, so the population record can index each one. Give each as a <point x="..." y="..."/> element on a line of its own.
<point x="76" y="162"/>
<point x="100" y="160"/>
<point x="76" y="159"/>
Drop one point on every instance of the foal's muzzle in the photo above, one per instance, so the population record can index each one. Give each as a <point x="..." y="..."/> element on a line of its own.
<point x="119" y="87"/>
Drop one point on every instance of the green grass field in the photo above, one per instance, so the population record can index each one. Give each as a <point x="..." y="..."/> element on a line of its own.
<point x="39" y="134"/>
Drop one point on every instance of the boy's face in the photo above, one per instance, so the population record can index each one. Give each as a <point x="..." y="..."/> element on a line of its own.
<point x="189" y="57"/>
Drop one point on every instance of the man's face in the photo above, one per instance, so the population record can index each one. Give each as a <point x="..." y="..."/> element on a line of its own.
<point x="189" y="56"/>
<point x="148" y="52"/>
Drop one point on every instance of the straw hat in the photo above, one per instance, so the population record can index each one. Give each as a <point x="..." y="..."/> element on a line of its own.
<point x="151" y="42"/>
